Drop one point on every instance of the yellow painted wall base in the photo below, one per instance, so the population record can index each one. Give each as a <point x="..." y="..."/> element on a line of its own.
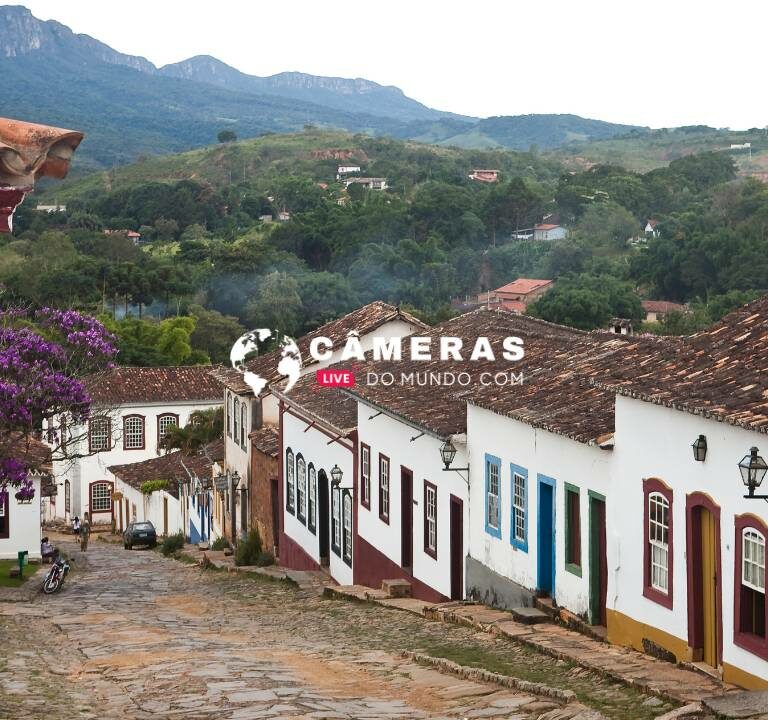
<point x="623" y="630"/>
<point x="743" y="679"/>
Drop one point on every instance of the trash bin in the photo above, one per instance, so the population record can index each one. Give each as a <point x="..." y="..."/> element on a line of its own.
<point x="23" y="560"/>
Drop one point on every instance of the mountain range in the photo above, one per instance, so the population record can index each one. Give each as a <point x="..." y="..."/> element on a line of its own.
<point x="128" y="107"/>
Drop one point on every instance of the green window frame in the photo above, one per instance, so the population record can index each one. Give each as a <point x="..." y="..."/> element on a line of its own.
<point x="572" y="515"/>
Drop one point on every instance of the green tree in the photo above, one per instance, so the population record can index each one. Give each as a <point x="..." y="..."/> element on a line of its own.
<point x="226" y="136"/>
<point x="214" y="333"/>
<point x="277" y="304"/>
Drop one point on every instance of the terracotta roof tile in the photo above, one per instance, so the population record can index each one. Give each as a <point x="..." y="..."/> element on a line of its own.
<point x="662" y="306"/>
<point x="523" y="286"/>
<point x="266" y="440"/>
<point x="123" y="385"/>
<point x="331" y="406"/>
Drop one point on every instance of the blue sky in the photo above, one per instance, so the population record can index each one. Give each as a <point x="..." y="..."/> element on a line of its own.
<point x="653" y="63"/>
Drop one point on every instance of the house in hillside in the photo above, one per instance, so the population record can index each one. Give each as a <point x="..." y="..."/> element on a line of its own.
<point x="132" y="409"/>
<point x="651" y="228"/>
<point x="621" y="326"/>
<point x="134" y="237"/>
<point x="245" y="413"/>
<point x="319" y="460"/>
<point x="484" y="176"/>
<point x="657" y="310"/>
<point x="180" y="502"/>
<point x="283" y="216"/>
<point x="514" y="296"/>
<point x="30" y="152"/>
<point x="20" y="517"/>
<point x="369" y="183"/>
<point x="549" y="231"/>
<point x="51" y="208"/>
<point x="344" y="171"/>
<point x="689" y="563"/>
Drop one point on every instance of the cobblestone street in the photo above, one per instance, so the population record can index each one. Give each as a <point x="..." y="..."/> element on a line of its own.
<point x="135" y="635"/>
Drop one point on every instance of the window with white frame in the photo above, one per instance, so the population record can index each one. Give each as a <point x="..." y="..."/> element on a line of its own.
<point x="235" y="416"/>
<point x="336" y="521"/>
<point x="133" y="432"/>
<point x="301" y="488"/>
<point x="750" y="608"/>
<point x="290" y="482"/>
<point x="229" y="414"/>
<point x="99" y="434"/>
<point x="243" y="423"/>
<point x="312" y="498"/>
<point x="430" y="519"/>
<point x="384" y="488"/>
<point x="365" y="476"/>
<point x="101" y="497"/>
<point x="753" y="560"/>
<point x="347" y="522"/>
<point x="493" y="496"/>
<point x="658" y="539"/>
<point x="518" y="507"/>
<point x="164" y="423"/>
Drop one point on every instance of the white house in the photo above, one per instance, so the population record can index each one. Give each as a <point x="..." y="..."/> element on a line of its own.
<point x="369" y="183"/>
<point x="548" y="231"/>
<point x="132" y="409"/>
<point x="344" y="170"/>
<point x="246" y="413"/>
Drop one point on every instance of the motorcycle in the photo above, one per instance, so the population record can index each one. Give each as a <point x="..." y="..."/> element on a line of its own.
<point x="54" y="578"/>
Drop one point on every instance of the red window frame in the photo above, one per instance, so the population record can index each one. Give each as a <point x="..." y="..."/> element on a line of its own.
<point x="159" y="417"/>
<point x="5" y="499"/>
<point x="365" y="480"/>
<point x="384" y="517"/>
<point x="651" y="486"/>
<point x="752" y="643"/>
<point x="429" y="551"/>
<point x="143" y="431"/>
<point x="109" y="435"/>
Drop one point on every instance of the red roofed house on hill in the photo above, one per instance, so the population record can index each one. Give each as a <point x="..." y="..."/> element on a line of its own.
<point x="549" y="231"/>
<point x="514" y="296"/>
<point x="27" y="153"/>
<point x="655" y="310"/>
<point x="486" y="176"/>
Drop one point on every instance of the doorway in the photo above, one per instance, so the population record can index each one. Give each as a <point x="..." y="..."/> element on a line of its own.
<point x="324" y="516"/>
<point x="546" y="536"/>
<point x="165" y="516"/>
<point x="598" y="560"/>
<point x="275" y="504"/>
<point x="406" y="518"/>
<point x="457" y="548"/>
<point x="705" y="630"/>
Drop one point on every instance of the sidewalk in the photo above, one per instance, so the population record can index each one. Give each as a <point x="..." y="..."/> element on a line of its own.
<point x="622" y="664"/>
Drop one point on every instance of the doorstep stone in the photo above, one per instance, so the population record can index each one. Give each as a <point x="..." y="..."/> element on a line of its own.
<point x="396" y="588"/>
<point x="746" y="704"/>
<point x="529" y="615"/>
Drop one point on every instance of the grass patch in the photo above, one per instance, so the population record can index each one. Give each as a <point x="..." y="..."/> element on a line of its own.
<point x="5" y="569"/>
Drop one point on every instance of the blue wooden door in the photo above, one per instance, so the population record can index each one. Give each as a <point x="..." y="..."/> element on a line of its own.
<point x="546" y="536"/>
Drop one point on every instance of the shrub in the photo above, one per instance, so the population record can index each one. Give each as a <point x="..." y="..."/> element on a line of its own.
<point x="248" y="550"/>
<point x="150" y="486"/>
<point x="220" y="543"/>
<point x="265" y="558"/>
<point x="172" y="544"/>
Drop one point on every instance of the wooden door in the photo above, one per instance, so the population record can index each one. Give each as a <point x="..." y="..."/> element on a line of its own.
<point x="323" y="516"/>
<point x="406" y="518"/>
<point x="709" y="574"/>
<point x="546" y="537"/>
<point x="457" y="548"/>
<point x="165" y="516"/>
<point x="275" y="499"/>
<point x="598" y="561"/>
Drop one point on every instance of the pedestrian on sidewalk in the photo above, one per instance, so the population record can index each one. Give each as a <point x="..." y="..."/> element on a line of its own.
<point x="76" y="525"/>
<point x="85" y="532"/>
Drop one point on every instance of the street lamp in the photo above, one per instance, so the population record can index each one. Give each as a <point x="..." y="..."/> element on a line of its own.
<point x="700" y="448"/>
<point x="753" y="468"/>
<point x="336" y="474"/>
<point x="447" y="453"/>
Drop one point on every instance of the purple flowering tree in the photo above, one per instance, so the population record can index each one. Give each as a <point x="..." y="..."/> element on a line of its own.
<point x="44" y="357"/>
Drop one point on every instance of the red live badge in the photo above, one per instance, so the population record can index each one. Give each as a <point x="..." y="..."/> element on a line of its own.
<point x="335" y="378"/>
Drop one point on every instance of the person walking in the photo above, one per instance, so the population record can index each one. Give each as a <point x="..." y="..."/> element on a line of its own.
<point x="85" y="532"/>
<point x="76" y="526"/>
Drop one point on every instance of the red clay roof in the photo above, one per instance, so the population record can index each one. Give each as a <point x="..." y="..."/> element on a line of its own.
<point x="29" y="151"/>
<point x="545" y="226"/>
<point x="266" y="440"/>
<point x="523" y="286"/>
<point x="331" y="406"/>
<point x="662" y="306"/>
<point x="363" y="320"/>
<point x="124" y="385"/>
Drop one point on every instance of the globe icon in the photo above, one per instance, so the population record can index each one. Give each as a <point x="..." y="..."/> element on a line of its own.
<point x="249" y="345"/>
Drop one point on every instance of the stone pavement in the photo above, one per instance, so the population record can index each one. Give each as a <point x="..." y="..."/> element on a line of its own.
<point x="134" y="635"/>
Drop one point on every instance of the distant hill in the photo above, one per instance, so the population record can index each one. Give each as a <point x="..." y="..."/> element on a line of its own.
<point x="128" y="107"/>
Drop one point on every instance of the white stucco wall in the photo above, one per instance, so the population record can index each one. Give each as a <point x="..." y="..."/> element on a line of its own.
<point x="540" y="453"/>
<point x="314" y="446"/>
<point x="392" y="438"/>
<point x="23" y="525"/>
<point x="655" y="442"/>
<point x="150" y="507"/>
<point x="86" y="470"/>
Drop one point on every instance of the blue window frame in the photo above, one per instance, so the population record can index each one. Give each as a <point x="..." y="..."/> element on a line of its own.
<point x="518" y="531"/>
<point x="493" y="495"/>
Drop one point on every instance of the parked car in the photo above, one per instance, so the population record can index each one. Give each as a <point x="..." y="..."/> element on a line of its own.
<point x="139" y="533"/>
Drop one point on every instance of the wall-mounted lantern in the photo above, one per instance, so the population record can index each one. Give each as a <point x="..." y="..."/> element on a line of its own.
<point x="700" y="449"/>
<point x="753" y="468"/>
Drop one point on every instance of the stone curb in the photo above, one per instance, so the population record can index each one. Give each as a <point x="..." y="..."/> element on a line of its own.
<point x="478" y="674"/>
<point x="33" y="586"/>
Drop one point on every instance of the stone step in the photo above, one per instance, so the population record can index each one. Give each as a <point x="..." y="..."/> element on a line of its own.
<point x="529" y="615"/>
<point x="396" y="588"/>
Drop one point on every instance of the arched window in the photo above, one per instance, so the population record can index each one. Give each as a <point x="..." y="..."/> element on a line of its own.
<point x="658" y="542"/>
<point x="164" y="423"/>
<point x="301" y="488"/>
<point x="290" y="482"/>
<point x="229" y="414"/>
<point x="236" y="415"/>
<point x="243" y="428"/>
<point x="347" y="524"/>
<point x="67" y="497"/>
<point x="133" y="432"/>
<point x="336" y="521"/>
<point x="312" y="498"/>
<point x="750" y="607"/>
